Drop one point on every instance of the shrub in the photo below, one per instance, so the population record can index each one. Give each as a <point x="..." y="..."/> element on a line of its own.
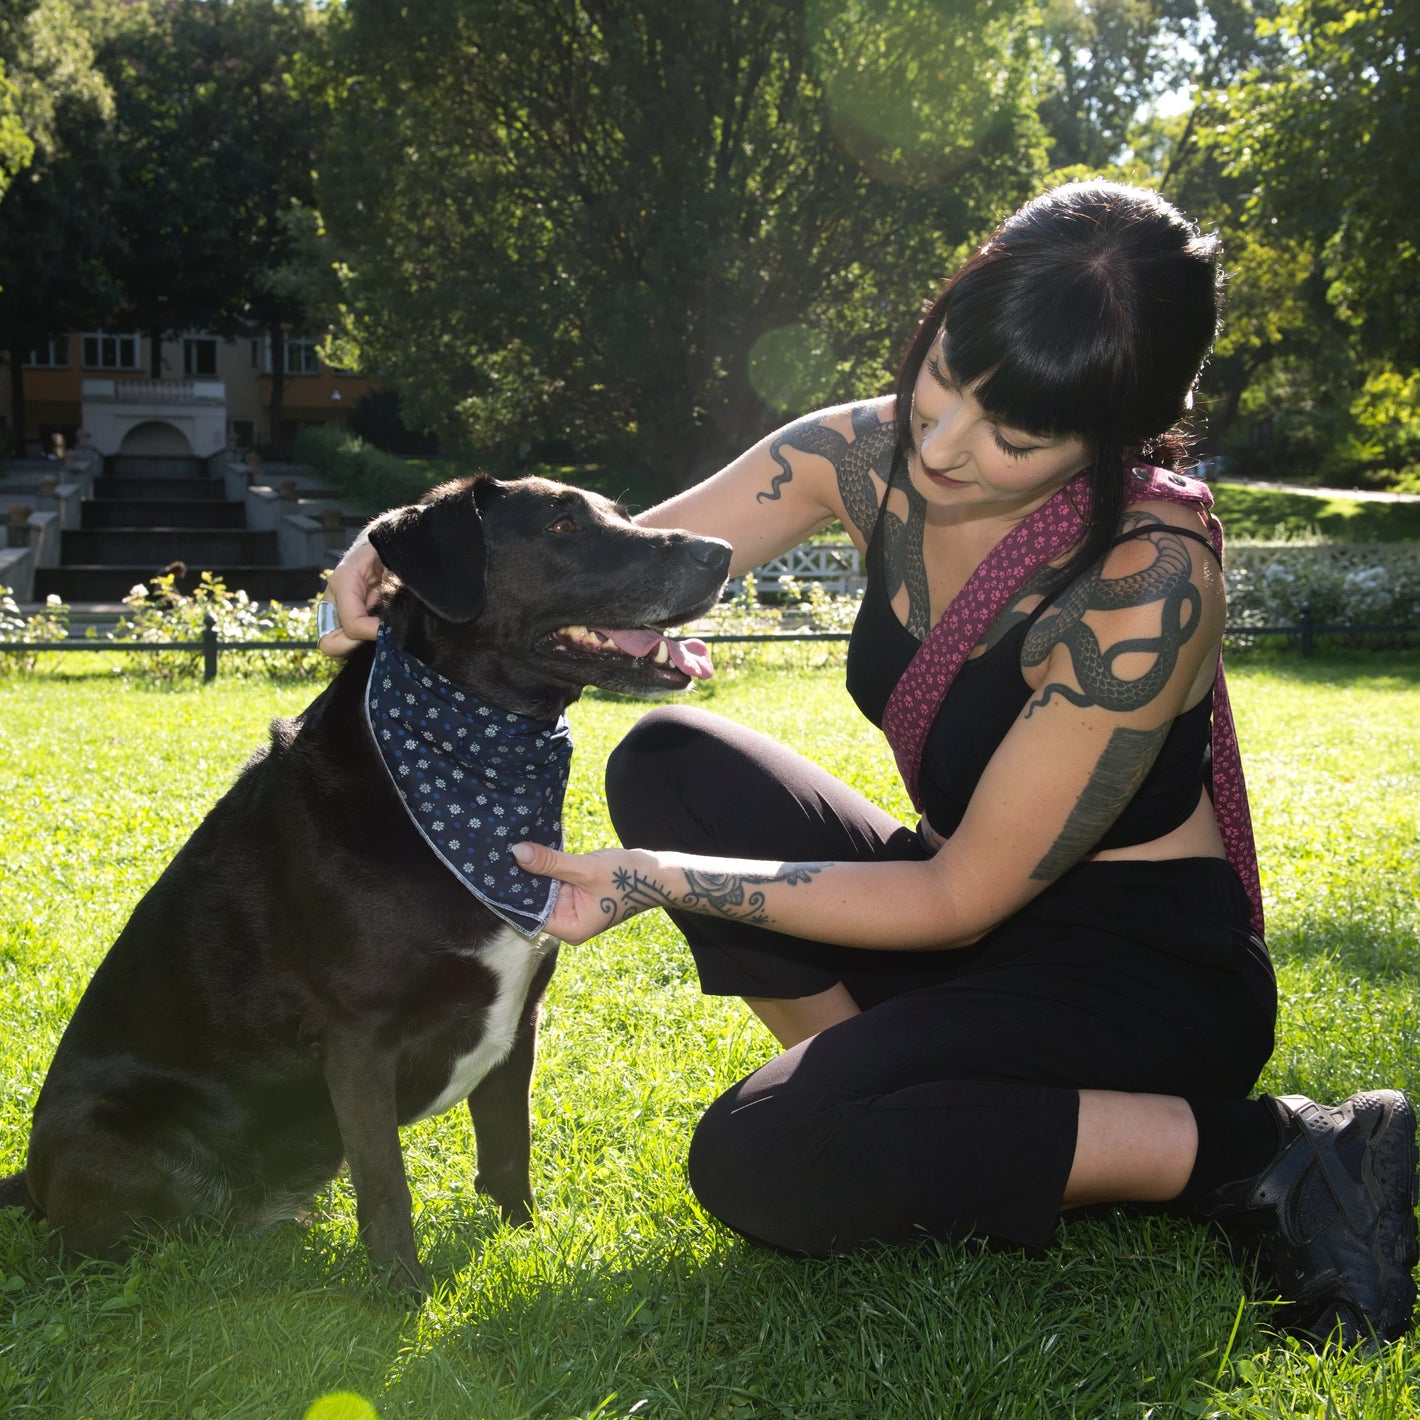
<point x="51" y="624"/>
<point x="1343" y="584"/>
<point x="365" y="475"/>
<point x="797" y="606"/>
<point x="158" y="612"/>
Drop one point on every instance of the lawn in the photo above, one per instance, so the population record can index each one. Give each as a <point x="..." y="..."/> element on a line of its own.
<point x="623" y="1299"/>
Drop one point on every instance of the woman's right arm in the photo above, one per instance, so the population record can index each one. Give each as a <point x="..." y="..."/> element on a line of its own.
<point x="827" y="466"/>
<point x="824" y="466"/>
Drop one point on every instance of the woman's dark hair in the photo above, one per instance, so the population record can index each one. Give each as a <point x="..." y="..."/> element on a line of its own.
<point x="1089" y="313"/>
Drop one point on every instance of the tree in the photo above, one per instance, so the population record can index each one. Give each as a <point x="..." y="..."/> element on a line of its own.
<point x="606" y="222"/>
<point x="273" y="129"/>
<point x="16" y="146"/>
<point x="216" y="144"/>
<point x="46" y="68"/>
<point x="1296" y="155"/>
<point x="55" y="239"/>
<point x="1328" y="143"/>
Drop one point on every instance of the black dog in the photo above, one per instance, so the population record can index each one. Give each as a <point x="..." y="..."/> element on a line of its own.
<point x="307" y="975"/>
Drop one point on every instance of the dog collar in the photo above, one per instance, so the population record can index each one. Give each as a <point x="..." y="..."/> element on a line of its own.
<point x="473" y="778"/>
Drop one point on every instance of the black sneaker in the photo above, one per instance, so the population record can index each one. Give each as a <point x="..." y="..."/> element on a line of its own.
<point x="1331" y="1220"/>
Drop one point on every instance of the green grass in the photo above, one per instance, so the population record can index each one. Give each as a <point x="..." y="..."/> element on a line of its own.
<point x="623" y="1298"/>
<point x="1251" y="512"/>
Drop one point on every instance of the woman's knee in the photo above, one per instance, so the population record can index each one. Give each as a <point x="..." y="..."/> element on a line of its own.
<point x="729" y="1171"/>
<point x="751" y="1166"/>
<point x="648" y="775"/>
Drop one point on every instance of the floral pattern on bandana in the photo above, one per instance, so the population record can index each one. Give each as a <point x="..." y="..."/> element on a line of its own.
<point x="473" y="778"/>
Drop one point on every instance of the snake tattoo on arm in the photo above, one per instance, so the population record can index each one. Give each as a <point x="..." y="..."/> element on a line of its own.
<point x="733" y="895"/>
<point x="1129" y="753"/>
<point x="1168" y="581"/>
<point x="855" y="461"/>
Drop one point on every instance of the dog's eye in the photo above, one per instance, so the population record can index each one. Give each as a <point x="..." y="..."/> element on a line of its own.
<point x="563" y="526"/>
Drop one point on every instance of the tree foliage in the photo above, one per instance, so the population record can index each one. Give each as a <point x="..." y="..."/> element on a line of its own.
<point x="46" y="75"/>
<point x="56" y="242"/>
<point x="1328" y="143"/>
<point x="654" y="228"/>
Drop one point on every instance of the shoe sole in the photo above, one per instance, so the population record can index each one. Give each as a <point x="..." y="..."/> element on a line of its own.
<point x="1390" y="1175"/>
<point x="1395" y="1159"/>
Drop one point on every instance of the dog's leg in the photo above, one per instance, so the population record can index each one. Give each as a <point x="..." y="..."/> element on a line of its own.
<point x="502" y="1129"/>
<point x="15" y="1193"/>
<point x="360" y="1074"/>
<point x="498" y="1105"/>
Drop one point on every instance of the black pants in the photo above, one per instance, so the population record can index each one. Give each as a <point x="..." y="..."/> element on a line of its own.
<point x="949" y="1106"/>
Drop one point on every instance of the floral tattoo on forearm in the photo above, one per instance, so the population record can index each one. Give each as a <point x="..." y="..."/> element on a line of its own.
<point x="732" y="895"/>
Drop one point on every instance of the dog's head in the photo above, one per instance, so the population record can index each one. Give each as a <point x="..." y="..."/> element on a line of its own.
<point x="528" y="591"/>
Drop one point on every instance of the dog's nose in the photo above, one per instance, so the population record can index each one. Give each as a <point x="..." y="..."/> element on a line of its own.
<point x="712" y="552"/>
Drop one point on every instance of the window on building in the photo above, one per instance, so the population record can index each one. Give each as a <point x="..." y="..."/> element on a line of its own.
<point x="302" y="356"/>
<point x="52" y="355"/>
<point x="199" y="355"/>
<point x="110" y="352"/>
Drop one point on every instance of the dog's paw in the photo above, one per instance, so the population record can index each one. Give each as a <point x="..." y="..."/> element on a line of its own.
<point x="403" y="1277"/>
<point x="519" y="1214"/>
<point x="512" y="1194"/>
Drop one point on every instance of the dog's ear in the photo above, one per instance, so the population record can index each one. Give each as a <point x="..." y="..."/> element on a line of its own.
<point x="436" y="548"/>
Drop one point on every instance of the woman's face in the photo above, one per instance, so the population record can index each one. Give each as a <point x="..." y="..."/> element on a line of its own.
<point x="965" y="458"/>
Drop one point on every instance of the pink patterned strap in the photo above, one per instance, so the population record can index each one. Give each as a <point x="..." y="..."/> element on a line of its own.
<point x="1055" y="526"/>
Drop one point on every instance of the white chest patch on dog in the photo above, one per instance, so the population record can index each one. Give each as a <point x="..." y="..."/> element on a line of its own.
<point x="513" y="960"/>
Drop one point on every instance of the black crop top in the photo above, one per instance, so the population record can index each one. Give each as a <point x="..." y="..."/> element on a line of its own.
<point x="985" y="700"/>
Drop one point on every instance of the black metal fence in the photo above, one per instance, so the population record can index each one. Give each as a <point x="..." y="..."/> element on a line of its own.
<point x="211" y="647"/>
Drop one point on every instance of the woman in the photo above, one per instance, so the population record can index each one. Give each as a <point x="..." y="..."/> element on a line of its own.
<point x="1054" y="991"/>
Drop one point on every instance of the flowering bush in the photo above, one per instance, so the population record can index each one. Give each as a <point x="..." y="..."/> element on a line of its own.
<point x="51" y="624"/>
<point x="796" y="607"/>
<point x="1342" y="584"/>
<point x="158" y="612"/>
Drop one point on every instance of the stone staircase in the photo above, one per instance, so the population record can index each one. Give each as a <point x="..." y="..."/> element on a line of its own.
<point x="150" y="512"/>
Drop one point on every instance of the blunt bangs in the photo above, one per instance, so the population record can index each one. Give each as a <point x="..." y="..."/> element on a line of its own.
<point x="1043" y="364"/>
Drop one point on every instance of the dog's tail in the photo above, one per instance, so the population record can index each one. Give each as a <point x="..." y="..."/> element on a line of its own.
<point x="15" y="1193"/>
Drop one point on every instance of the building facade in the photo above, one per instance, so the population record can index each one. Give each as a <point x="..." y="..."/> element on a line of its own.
<point x="55" y="376"/>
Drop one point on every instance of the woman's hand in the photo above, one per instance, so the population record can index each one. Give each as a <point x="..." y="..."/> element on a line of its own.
<point x="354" y="588"/>
<point x="597" y="889"/>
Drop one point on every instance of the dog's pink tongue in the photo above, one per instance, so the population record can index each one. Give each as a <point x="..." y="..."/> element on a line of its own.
<point x="690" y="657"/>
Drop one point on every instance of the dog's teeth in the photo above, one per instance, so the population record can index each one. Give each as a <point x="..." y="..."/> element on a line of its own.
<point x="663" y="655"/>
<point x="577" y="633"/>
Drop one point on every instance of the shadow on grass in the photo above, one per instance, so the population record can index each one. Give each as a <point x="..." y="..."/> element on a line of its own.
<point x="1329" y="668"/>
<point x="1123" y="1314"/>
<point x="1126" y="1314"/>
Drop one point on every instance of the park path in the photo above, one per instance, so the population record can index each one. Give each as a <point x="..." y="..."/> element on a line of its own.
<point x="1361" y="495"/>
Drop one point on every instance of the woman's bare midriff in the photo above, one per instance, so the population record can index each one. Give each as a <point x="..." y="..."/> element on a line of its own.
<point x="1196" y="837"/>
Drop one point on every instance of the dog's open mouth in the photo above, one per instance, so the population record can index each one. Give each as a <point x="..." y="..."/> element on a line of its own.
<point x="643" y="648"/>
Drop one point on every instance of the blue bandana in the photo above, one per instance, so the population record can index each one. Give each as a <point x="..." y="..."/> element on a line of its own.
<point x="473" y="778"/>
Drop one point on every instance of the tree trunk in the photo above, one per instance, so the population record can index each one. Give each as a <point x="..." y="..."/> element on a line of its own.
<point x="17" y="401"/>
<point x="276" y="412"/>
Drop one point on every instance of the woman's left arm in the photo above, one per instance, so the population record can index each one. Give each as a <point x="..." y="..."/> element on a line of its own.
<point x="1119" y="656"/>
